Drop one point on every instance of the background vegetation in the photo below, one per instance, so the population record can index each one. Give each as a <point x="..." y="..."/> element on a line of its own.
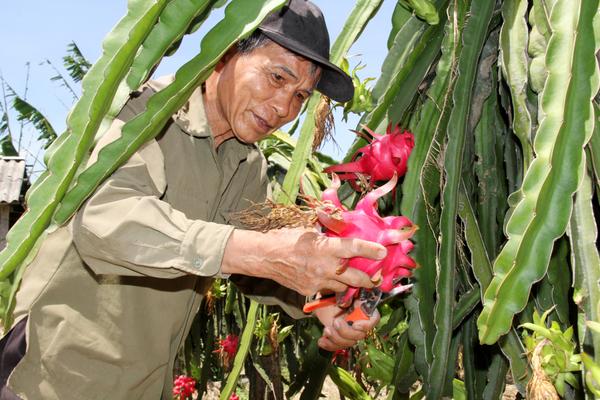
<point x="503" y="183"/>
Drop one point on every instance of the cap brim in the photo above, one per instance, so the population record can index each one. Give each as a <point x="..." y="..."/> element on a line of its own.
<point x="334" y="82"/>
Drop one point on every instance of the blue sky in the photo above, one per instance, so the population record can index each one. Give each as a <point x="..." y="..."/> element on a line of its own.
<point x="35" y="30"/>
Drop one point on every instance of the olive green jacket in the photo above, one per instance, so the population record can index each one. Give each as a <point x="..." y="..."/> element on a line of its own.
<point x="110" y="297"/>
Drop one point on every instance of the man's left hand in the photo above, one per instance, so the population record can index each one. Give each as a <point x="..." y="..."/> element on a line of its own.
<point x="337" y="332"/>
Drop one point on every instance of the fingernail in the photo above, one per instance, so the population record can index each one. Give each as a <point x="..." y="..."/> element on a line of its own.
<point x="382" y="253"/>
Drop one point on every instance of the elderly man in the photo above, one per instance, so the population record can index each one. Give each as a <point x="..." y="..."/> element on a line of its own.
<point x="109" y="299"/>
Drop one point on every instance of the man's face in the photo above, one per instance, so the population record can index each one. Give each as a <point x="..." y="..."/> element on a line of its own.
<point x="262" y="90"/>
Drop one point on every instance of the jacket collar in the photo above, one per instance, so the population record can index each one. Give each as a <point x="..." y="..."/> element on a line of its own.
<point x="191" y="118"/>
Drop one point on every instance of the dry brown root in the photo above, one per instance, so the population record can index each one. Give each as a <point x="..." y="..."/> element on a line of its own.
<point x="324" y="123"/>
<point x="269" y="215"/>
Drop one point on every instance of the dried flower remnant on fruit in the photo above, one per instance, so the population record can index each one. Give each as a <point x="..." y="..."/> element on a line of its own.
<point x="364" y="222"/>
<point x="385" y="156"/>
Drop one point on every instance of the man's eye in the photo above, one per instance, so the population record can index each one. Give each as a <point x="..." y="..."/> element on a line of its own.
<point x="276" y="77"/>
<point x="300" y="96"/>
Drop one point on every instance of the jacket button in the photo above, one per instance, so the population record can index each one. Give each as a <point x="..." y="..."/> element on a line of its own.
<point x="198" y="262"/>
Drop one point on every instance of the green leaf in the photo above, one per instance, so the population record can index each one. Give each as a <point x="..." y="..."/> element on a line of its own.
<point x="347" y="384"/>
<point x="424" y="9"/>
<point x="594" y="326"/>
<point x="399" y="63"/>
<point x="99" y="85"/>
<point x="465" y="305"/>
<point x="473" y="39"/>
<point x="404" y="369"/>
<point x="7" y="149"/>
<point x="542" y="213"/>
<point x="538" y="43"/>
<point x="405" y="77"/>
<point x="378" y="365"/>
<point x="514" y="64"/>
<point x="174" y="22"/>
<point x="554" y="291"/>
<point x="474" y="380"/>
<point x="241" y="18"/>
<point x="284" y="332"/>
<point x="29" y="114"/>
<point x="490" y="199"/>
<point x="585" y="260"/>
<point x="592" y="375"/>
<point x="496" y="377"/>
<point x="399" y="17"/>
<point x="420" y="189"/>
<point x="512" y="347"/>
<point x="594" y="149"/>
<point x="242" y="352"/>
<point x="317" y="372"/>
<point x="75" y="63"/>
<point x="403" y="44"/>
<point x="4" y="121"/>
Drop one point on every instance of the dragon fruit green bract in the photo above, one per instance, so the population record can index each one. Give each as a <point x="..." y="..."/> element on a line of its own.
<point x="385" y="156"/>
<point x="365" y="223"/>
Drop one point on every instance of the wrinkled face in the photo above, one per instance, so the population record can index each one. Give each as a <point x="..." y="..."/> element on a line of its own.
<point x="262" y="90"/>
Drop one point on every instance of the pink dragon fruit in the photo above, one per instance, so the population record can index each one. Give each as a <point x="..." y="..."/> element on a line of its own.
<point x="385" y="156"/>
<point x="227" y="348"/>
<point x="183" y="387"/>
<point x="365" y="223"/>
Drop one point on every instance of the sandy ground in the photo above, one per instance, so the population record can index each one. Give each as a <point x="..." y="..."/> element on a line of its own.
<point x="330" y="392"/>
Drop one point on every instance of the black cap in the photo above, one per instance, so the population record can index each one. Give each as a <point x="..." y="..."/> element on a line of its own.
<point x="300" y="27"/>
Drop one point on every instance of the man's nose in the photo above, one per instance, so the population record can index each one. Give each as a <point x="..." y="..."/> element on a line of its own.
<point x="282" y="102"/>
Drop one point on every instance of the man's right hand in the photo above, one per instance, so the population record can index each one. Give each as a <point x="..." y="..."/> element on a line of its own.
<point x="300" y="259"/>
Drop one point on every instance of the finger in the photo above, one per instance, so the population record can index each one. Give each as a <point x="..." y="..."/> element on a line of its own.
<point x="327" y="344"/>
<point x="342" y="266"/>
<point x="347" y="331"/>
<point x="353" y="247"/>
<point x="332" y="334"/>
<point x="333" y="286"/>
<point x="356" y="278"/>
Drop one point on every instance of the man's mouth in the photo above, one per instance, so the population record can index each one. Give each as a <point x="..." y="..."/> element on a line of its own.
<point x="262" y="124"/>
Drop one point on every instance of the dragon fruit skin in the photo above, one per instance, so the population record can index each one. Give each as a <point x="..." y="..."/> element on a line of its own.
<point x="365" y="223"/>
<point x="385" y="156"/>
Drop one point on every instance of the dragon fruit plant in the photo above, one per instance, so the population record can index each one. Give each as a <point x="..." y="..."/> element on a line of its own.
<point x="364" y="222"/>
<point x="383" y="157"/>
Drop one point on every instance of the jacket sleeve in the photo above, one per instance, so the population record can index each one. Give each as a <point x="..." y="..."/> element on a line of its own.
<point x="124" y="228"/>
<point x="266" y="291"/>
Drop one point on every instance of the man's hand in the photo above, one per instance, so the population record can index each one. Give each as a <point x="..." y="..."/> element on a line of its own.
<point x="300" y="259"/>
<point x="337" y="333"/>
